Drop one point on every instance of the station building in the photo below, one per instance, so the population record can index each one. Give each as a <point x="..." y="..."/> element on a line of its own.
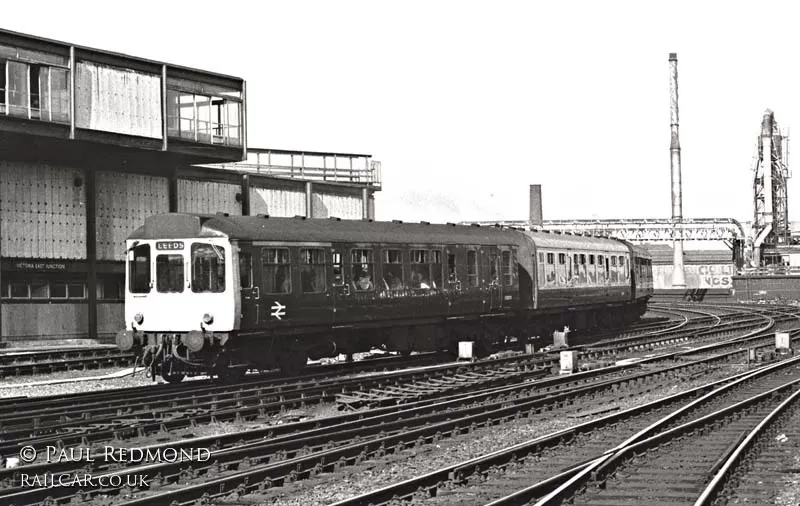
<point x="92" y="142"/>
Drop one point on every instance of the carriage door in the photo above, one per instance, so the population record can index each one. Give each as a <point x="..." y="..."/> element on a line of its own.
<point x="495" y="281"/>
<point x="249" y="290"/>
<point x="340" y="288"/>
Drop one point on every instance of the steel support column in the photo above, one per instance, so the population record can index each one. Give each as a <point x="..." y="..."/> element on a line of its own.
<point x="309" y="199"/>
<point x="91" y="250"/>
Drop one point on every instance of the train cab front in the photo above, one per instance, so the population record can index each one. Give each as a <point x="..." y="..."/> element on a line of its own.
<point x="179" y="305"/>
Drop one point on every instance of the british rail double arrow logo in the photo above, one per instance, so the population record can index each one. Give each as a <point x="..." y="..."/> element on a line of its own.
<point x="278" y="310"/>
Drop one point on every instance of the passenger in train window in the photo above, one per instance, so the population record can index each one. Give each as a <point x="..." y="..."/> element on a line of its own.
<point x="364" y="283"/>
<point x="418" y="280"/>
<point x="391" y="282"/>
<point x="283" y="281"/>
<point x="310" y="281"/>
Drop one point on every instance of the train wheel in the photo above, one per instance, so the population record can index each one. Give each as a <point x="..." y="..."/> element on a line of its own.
<point x="169" y="373"/>
<point x="174" y="377"/>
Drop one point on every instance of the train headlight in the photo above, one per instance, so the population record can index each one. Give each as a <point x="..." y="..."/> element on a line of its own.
<point x="138" y="318"/>
<point x="208" y="318"/>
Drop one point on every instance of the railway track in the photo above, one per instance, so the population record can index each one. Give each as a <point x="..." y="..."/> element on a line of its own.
<point x="534" y="469"/>
<point x="673" y="465"/>
<point x="389" y="434"/>
<point x="23" y="363"/>
<point x="26" y="363"/>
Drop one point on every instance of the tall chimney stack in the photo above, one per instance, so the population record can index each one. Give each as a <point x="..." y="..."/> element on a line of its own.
<point x="678" y="278"/>
<point x="535" y="211"/>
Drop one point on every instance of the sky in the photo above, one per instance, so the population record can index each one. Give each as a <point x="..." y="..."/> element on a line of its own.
<point x="467" y="103"/>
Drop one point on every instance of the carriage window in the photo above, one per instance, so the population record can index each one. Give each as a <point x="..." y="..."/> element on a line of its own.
<point x="139" y="269"/>
<point x="277" y="270"/>
<point x="580" y="268"/>
<point x="550" y="270"/>
<point x="472" y="267"/>
<point x="614" y="276"/>
<point x="169" y="273"/>
<point x="393" y="269"/>
<point x="451" y="268"/>
<point x="506" y="266"/>
<point x="436" y="269"/>
<point x="601" y="271"/>
<point x="562" y="259"/>
<point x="541" y="257"/>
<point x="208" y="268"/>
<point x="420" y="269"/>
<point x="336" y="263"/>
<point x="246" y="270"/>
<point x="312" y="270"/>
<point x="570" y="274"/>
<point x="361" y="260"/>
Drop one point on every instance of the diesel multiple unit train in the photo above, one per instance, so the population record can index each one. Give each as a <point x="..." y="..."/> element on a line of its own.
<point x="207" y="293"/>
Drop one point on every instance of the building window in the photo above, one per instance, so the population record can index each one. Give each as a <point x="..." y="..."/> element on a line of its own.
<point x="40" y="288"/>
<point x="37" y="287"/>
<point x="109" y="287"/>
<point x="204" y="118"/>
<point x="19" y="290"/>
<point x="34" y="91"/>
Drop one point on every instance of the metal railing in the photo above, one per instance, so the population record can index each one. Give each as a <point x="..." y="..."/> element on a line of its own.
<point x="310" y="166"/>
<point x="777" y="270"/>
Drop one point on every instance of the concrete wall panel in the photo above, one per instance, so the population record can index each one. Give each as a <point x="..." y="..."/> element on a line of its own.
<point x="45" y="321"/>
<point x="42" y="211"/>
<point x="110" y="318"/>
<point x="277" y="201"/>
<point x="208" y="197"/>
<point x="346" y="207"/>
<point x="118" y="100"/>
<point x="123" y="203"/>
